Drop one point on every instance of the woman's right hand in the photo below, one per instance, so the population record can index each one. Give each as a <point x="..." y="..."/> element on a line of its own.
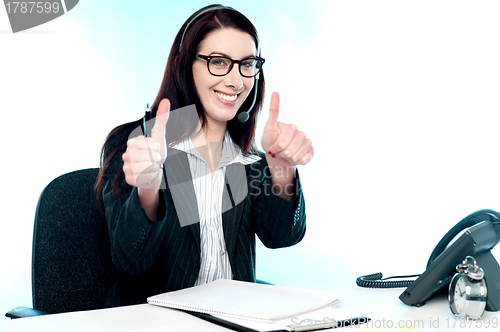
<point x="143" y="161"/>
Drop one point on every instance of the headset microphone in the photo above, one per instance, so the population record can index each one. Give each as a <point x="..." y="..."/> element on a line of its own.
<point x="243" y="117"/>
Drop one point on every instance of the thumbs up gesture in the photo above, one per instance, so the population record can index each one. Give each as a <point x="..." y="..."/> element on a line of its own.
<point x="285" y="145"/>
<point x="143" y="161"/>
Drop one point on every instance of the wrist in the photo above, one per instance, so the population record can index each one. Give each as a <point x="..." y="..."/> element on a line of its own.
<point x="283" y="180"/>
<point x="149" y="201"/>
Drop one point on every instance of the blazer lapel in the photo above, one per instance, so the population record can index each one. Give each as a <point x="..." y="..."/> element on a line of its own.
<point x="235" y="191"/>
<point x="180" y="183"/>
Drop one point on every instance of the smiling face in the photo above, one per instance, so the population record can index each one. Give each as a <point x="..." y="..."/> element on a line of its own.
<point x="222" y="96"/>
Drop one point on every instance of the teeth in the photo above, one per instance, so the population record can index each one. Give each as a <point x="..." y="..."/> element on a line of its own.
<point x="226" y="97"/>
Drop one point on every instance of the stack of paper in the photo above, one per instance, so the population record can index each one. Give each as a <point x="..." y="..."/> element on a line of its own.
<point x="245" y="300"/>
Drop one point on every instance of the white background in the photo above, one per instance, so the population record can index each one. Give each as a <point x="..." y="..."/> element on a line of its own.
<point x="400" y="98"/>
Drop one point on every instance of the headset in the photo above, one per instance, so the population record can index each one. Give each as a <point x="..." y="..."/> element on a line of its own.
<point x="243" y="116"/>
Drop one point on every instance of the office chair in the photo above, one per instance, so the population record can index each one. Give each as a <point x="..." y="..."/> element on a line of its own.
<point x="71" y="261"/>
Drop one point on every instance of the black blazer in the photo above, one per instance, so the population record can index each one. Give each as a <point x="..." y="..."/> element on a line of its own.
<point x="159" y="256"/>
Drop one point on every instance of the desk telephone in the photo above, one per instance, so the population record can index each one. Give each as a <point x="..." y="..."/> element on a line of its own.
<point x="475" y="235"/>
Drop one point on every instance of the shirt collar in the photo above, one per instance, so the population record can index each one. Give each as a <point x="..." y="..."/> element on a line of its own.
<point x="231" y="152"/>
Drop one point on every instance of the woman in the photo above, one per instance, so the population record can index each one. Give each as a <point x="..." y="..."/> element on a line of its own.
<point x="183" y="204"/>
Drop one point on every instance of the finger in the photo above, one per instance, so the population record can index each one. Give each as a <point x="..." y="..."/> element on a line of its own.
<point x="144" y="148"/>
<point x="143" y="143"/>
<point x="146" y="180"/>
<point x="126" y="157"/>
<point x="274" y="109"/>
<point x="162" y="115"/>
<point x="306" y="158"/>
<point x="304" y="154"/>
<point x="139" y="155"/>
<point x="297" y="143"/>
<point x="285" y="137"/>
<point x="137" y="168"/>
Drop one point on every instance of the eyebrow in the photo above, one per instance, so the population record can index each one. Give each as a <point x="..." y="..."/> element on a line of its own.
<point x="227" y="56"/>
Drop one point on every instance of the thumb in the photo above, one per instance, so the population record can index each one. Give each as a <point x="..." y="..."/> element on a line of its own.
<point x="162" y="115"/>
<point x="274" y="110"/>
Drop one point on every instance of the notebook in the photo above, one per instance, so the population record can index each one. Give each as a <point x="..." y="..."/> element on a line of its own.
<point x="315" y="320"/>
<point x="245" y="300"/>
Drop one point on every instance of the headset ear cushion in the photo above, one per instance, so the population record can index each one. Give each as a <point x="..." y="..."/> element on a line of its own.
<point x="467" y="222"/>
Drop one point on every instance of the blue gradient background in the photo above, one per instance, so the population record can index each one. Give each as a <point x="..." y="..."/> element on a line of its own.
<point x="400" y="98"/>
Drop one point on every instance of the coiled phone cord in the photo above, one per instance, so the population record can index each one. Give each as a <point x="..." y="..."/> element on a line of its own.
<point x="375" y="281"/>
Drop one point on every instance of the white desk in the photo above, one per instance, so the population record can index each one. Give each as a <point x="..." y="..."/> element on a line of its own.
<point x="381" y="305"/>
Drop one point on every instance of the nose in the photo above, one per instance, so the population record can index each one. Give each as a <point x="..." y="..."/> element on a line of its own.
<point x="234" y="79"/>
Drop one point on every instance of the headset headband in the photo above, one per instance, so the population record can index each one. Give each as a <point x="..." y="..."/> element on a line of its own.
<point x="205" y="11"/>
<point x="199" y="14"/>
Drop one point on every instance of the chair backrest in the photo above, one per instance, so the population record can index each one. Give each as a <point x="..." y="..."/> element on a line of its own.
<point x="71" y="263"/>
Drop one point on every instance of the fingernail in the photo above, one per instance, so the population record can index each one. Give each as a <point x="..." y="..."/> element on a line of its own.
<point x="270" y="152"/>
<point x="158" y="156"/>
<point x="272" y="155"/>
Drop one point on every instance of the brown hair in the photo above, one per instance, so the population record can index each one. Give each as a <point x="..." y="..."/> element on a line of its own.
<point x="178" y="86"/>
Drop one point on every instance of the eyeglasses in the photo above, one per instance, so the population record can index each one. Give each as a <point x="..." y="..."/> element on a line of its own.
<point x="221" y="65"/>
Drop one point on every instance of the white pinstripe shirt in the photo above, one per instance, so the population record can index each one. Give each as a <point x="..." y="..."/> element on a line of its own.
<point x="209" y="190"/>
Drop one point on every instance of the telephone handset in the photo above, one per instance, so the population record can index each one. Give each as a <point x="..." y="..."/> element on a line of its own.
<point x="475" y="235"/>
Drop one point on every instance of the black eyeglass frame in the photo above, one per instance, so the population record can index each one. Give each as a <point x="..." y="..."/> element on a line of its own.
<point x="208" y="58"/>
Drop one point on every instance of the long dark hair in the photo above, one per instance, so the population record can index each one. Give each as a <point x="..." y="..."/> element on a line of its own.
<point x="178" y="86"/>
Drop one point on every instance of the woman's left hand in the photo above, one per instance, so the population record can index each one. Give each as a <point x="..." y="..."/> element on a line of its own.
<point x="286" y="145"/>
